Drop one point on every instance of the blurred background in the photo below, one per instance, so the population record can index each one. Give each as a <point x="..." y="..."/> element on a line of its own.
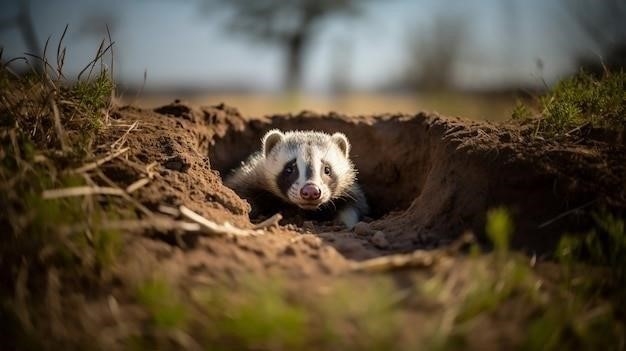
<point x="466" y="58"/>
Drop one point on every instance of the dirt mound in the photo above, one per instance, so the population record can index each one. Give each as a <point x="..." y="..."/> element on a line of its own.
<point x="430" y="178"/>
<point x="178" y="143"/>
<point x="427" y="178"/>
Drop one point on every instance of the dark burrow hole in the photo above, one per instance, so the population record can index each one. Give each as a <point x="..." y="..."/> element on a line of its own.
<point x="392" y="156"/>
<point x="428" y="179"/>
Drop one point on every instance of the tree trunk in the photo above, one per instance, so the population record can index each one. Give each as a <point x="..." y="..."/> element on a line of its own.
<point x="295" y="53"/>
<point x="27" y="29"/>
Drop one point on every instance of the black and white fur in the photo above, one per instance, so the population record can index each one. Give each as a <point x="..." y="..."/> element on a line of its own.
<point x="276" y="177"/>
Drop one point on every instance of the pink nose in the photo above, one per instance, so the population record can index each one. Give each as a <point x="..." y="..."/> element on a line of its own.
<point x="310" y="192"/>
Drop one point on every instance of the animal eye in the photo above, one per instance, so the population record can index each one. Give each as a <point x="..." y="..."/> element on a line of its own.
<point x="289" y="169"/>
<point x="327" y="170"/>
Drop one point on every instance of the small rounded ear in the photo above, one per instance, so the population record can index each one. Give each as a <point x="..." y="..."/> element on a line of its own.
<point x="341" y="141"/>
<point x="270" y="139"/>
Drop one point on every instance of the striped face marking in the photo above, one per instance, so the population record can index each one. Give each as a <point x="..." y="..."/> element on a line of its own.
<point x="294" y="164"/>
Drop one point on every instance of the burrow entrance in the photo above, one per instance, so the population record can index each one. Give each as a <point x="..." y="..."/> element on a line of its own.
<point x="391" y="174"/>
<point x="427" y="179"/>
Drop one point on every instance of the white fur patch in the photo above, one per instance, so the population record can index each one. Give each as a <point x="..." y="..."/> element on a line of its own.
<point x="349" y="216"/>
<point x="329" y="152"/>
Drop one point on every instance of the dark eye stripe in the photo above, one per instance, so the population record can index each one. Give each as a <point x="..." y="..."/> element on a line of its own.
<point x="285" y="179"/>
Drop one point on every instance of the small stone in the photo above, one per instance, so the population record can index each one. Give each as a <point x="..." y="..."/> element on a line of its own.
<point x="289" y="251"/>
<point x="177" y="163"/>
<point x="308" y="225"/>
<point x="362" y="228"/>
<point x="380" y="240"/>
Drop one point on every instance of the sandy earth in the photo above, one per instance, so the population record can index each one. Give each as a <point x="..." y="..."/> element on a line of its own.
<point x="428" y="179"/>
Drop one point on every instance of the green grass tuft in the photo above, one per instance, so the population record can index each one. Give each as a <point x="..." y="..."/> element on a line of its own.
<point x="581" y="100"/>
<point x="499" y="229"/>
<point x="163" y="303"/>
<point x="521" y="111"/>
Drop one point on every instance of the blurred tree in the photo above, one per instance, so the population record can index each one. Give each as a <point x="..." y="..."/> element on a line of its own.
<point x="23" y="22"/>
<point x="340" y="60"/>
<point x="291" y="24"/>
<point x="433" y="57"/>
<point x="604" y="24"/>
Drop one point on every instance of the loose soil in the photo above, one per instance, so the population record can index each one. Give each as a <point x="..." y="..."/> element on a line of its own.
<point x="428" y="179"/>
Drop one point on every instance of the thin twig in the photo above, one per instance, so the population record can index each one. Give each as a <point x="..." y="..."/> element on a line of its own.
<point x="578" y="128"/>
<point x="141" y="168"/>
<point x="150" y="167"/>
<point x="420" y="258"/>
<point x="81" y="191"/>
<point x="100" y="162"/>
<point x="137" y="185"/>
<point x="214" y="228"/>
<point x="126" y="197"/>
<point x="550" y="221"/>
<point x="272" y="221"/>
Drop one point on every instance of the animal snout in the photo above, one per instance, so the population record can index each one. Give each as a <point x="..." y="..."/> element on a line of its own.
<point x="310" y="192"/>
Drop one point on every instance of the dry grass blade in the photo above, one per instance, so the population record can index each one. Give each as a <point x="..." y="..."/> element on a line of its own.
<point x="15" y="145"/>
<point x="81" y="191"/>
<point x="151" y="166"/>
<point x="137" y="185"/>
<point x="157" y="223"/>
<point x="101" y="52"/>
<point x="168" y="210"/>
<point x="127" y="197"/>
<point x="111" y="68"/>
<point x="214" y="228"/>
<point x="95" y="164"/>
<point x="21" y="297"/>
<point x="121" y="140"/>
<point x="58" y="125"/>
<point x="61" y="54"/>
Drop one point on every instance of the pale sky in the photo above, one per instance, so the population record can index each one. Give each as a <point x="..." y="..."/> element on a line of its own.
<point x="179" y="46"/>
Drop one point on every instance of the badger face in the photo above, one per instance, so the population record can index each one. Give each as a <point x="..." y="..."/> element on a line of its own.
<point x="307" y="169"/>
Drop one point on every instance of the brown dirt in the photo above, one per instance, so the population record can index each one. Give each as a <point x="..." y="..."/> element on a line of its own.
<point x="428" y="179"/>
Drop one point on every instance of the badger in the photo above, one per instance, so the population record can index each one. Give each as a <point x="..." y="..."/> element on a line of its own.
<point x="306" y="171"/>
